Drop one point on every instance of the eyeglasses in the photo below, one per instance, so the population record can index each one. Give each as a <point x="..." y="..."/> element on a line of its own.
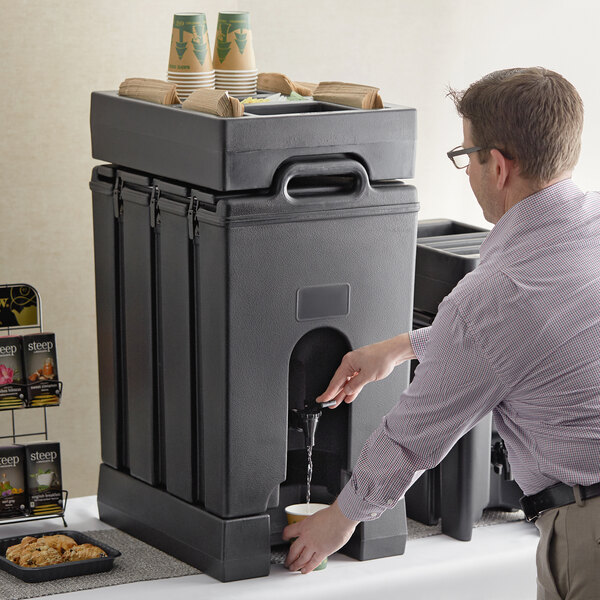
<point x="460" y="156"/>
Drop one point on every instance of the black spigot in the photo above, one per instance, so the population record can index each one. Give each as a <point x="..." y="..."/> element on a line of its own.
<point x="307" y="419"/>
<point x="310" y="421"/>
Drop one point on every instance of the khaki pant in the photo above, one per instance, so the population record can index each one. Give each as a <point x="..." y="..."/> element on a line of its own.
<point x="568" y="554"/>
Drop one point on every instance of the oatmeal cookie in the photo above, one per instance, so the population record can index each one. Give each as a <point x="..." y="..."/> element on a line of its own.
<point x="13" y="553"/>
<point x="59" y="542"/>
<point x="83" y="552"/>
<point x="39" y="555"/>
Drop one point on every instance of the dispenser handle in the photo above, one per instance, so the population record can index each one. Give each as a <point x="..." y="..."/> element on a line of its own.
<point x="317" y="168"/>
<point x="328" y="404"/>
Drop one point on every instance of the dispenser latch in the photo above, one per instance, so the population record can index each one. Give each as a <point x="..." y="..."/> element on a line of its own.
<point x="154" y="197"/>
<point x="191" y="216"/>
<point x="117" y="203"/>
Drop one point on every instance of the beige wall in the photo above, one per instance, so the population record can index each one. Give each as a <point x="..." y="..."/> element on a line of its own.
<point x="53" y="54"/>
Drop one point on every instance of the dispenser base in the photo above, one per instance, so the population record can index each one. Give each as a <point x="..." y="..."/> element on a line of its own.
<point x="226" y="549"/>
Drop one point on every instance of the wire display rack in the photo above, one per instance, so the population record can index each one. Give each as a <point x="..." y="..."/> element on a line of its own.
<point x="21" y="313"/>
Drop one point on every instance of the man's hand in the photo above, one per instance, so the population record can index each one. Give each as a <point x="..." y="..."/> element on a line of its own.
<point x="317" y="536"/>
<point x="366" y="364"/>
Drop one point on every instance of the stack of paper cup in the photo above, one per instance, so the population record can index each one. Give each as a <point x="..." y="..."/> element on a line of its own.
<point x="234" y="62"/>
<point x="190" y="64"/>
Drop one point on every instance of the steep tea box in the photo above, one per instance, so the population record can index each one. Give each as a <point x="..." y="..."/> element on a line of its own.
<point x="41" y="370"/>
<point x="12" y="390"/>
<point x="44" y="479"/>
<point x="13" y="499"/>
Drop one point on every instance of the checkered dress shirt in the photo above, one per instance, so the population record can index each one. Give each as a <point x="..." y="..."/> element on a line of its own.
<point x="519" y="336"/>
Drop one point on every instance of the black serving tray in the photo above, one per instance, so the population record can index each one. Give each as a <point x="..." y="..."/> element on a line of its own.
<point x="62" y="570"/>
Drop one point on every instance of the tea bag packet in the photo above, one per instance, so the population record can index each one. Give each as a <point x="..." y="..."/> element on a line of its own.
<point x="151" y="90"/>
<point x="278" y="82"/>
<point x="214" y="102"/>
<point x="13" y="496"/>
<point x="44" y="477"/>
<point x="41" y="369"/>
<point x="348" y="94"/>
<point x="12" y="390"/>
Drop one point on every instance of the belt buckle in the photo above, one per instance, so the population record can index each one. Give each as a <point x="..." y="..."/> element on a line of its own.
<point x="525" y="503"/>
<point x="533" y="518"/>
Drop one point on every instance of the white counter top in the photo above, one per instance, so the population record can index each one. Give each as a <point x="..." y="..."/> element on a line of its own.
<point x="498" y="563"/>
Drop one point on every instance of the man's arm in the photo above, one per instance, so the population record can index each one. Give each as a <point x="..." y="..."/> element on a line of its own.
<point x="419" y="339"/>
<point x="454" y="387"/>
<point x="364" y="365"/>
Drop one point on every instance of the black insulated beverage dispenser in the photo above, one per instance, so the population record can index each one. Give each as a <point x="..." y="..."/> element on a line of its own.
<point x="475" y="474"/>
<point x="237" y="261"/>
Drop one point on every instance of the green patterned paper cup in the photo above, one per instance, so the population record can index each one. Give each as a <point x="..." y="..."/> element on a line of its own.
<point x="299" y="512"/>
<point x="190" y="47"/>
<point x="233" y="42"/>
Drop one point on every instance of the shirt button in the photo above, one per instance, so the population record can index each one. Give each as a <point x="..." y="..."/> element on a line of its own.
<point x="373" y="514"/>
<point x="390" y="502"/>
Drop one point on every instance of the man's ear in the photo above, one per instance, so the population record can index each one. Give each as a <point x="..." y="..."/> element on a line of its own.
<point x="502" y="168"/>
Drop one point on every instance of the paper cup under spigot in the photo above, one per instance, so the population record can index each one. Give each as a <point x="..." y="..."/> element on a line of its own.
<point x="299" y="512"/>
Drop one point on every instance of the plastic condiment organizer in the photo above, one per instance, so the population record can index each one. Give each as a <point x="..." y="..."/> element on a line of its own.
<point x="233" y="154"/>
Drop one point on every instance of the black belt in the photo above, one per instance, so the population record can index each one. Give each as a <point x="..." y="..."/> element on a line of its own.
<point x="555" y="496"/>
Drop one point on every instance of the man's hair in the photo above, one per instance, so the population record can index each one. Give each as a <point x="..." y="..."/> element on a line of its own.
<point x="532" y="115"/>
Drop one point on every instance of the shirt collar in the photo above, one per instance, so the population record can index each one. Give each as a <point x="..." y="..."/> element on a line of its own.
<point x="529" y="214"/>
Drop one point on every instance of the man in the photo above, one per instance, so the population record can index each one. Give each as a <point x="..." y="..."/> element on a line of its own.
<point x="519" y="336"/>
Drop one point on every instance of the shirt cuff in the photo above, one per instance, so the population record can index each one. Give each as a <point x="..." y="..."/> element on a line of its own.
<point x="356" y="508"/>
<point x="419" y="339"/>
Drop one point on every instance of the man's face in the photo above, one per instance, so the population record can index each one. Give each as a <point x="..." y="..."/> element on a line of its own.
<point x="481" y="180"/>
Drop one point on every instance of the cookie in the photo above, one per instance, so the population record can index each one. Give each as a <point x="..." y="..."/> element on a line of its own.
<point x="13" y="553"/>
<point x="39" y="555"/>
<point x="59" y="542"/>
<point x="83" y="552"/>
